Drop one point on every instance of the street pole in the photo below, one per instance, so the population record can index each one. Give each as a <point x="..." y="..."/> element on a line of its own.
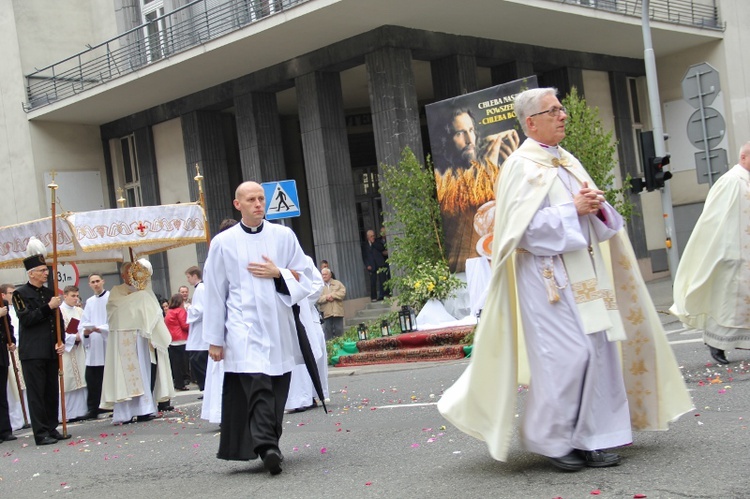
<point x="660" y="149"/>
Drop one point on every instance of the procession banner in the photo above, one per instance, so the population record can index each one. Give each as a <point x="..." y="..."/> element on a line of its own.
<point x="106" y="235"/>
<point x="470" y="137"/>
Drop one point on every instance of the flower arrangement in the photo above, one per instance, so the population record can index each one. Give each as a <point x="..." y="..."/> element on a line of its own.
<point x="428" y="280"/>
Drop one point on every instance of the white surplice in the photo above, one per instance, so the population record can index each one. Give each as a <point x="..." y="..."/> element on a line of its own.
<point x="246" y="315"/>
<point x="212" y="390"/>
<point x="301" y="389"/>
<point x="195" y="341"/>
<point x="74" y="368"/>
<point x="95" y="315"/>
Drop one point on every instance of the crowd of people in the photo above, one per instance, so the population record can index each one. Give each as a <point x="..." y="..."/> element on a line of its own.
<point x="253" y="335"/>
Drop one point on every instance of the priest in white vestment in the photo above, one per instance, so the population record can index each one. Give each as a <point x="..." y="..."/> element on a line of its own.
<point x="250" y="280"/>
<point x="133" y="380"/>
<point x="301" y="389"/>
<point x="712" y="283"/>
<point x="74" y="359"/>
<point x="551" y="292"/>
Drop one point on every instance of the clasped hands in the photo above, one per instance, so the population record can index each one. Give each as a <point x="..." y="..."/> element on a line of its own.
<point x="588" y="201"/>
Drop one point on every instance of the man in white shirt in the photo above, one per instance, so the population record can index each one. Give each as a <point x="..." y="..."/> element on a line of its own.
<point x="196" y="345"/>
<point x="251" y="284"/>
<point x="95" y="330"/>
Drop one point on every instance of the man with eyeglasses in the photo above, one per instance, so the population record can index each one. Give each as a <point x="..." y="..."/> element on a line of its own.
<point x="556" y="238"/>
<point x="36" y="308"/>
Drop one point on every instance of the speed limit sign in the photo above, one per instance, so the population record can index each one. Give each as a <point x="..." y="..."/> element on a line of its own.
<point x="67" y="275"/>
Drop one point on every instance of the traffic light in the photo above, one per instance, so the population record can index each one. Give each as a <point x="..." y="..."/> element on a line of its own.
<point x="655" y="174"/>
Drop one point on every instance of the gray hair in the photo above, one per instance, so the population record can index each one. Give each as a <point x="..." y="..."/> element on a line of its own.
<point x="527" y="103"/>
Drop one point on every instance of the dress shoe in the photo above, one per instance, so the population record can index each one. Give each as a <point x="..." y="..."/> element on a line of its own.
<point x="59" y="436"/>
<point x="573" y="461"/>
<point x="46" y="441"/>
<point x="272" y="459"/>
<point x="600" y="459"/>
<point x="718" y="355"/>
<point x="144" y="418"/>
<point x="8" y="437"/>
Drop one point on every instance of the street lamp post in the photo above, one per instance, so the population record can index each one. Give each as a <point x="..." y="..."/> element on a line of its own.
<point x="652" y="82"/>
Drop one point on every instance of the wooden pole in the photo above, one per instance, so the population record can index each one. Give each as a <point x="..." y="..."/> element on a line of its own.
<point x="53" y="187"/>
<point x="201" y="198"/>
<point x="16" y="371"/>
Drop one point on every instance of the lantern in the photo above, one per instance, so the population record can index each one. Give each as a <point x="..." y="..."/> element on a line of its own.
<point x="362" y="331"/>
<point x="406" y="319"/>
<point x="385" y="329"/>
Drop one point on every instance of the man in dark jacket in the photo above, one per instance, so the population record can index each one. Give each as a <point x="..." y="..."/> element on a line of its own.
<point x="35" y="306"/>
<point x="6" y="431"/>
<point x="373" y="256"/>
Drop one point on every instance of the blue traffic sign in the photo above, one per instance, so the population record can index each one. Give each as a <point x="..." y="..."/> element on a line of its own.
<point x="282" y="200"/>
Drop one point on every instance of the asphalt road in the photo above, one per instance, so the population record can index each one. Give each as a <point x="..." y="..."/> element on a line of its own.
<point x="384" y="437"/>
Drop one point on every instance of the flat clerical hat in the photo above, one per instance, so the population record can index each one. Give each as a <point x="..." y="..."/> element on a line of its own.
<point x="35" y="253"/>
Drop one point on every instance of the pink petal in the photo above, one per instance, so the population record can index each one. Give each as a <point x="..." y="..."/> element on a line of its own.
<point x="368" y="483"/>
<point x="195" y="446"/>
<point x="639" y="496"/>
<point x="323" y="450"/>
<point x="596" y="492"/>
<point x="414" y="446"/>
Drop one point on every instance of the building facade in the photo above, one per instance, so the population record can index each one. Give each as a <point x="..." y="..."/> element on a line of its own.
<point x="132" y="94"/>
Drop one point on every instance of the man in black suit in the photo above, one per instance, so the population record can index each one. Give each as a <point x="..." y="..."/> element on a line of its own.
<point x="35" y="306"/>
<point x="373" y="256"/>
<point x="6" y="431"/>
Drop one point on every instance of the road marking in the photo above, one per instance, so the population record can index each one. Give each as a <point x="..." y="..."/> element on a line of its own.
<point x="680" y="342"/>
<point x="401" y="406"/>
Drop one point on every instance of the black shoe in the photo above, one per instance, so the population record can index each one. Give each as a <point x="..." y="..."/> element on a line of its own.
<point x="59" y="436"/>
<point x="600" y="459"/>
<point x="8" y="437"/>
<point x="718" y="355"/>
<point x="272" y="459"/>
<point x="46" y="441"/>
<point x="570" y="462"/>
<point x="166" y="408"/>
<point x="144" y="418"/>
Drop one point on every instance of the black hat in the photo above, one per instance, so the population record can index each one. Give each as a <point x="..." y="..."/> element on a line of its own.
<point x="33" y="262"/>
<point x="35" y="253"/>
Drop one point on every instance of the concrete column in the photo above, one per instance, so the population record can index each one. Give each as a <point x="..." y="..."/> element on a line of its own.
<point x="259" y="136"/>
<point x="563" y="79"/>
<point x="627" y="151"/>
<point x="146" y="160"/>
<point x="454" y="75"/>
<point x="204" y="140"/>
<point x="510" y="71"/>
<point x="328" y="172"/>
<point x="393" y="101"/>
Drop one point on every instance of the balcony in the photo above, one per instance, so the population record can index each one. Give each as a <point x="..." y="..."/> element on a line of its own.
<point x="194" y="24"/>
<point x="696" y="13"/>
<point x="208" y="43"/>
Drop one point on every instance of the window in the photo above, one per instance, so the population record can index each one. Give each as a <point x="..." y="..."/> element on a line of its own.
<point x="130" y="177"/>
<point x="155" y="31"/>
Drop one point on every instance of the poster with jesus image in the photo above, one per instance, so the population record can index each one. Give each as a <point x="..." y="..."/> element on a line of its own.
<point x="471" y="135"/>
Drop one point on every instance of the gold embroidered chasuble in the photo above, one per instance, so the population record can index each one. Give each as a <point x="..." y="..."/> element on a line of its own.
<point x="129" y="315"/>
<point x="711" y="284"/>
<point x="482" y="402"/>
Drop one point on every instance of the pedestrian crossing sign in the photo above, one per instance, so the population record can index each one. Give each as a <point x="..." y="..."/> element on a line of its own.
<point x="282" y="200"/>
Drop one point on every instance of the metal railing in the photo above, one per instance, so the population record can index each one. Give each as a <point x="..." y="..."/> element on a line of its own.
<point x="177" y="31"/>
<point x="697" y="13"/>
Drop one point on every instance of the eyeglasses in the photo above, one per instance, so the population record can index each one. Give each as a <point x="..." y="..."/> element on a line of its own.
<point x="553" y="111"/>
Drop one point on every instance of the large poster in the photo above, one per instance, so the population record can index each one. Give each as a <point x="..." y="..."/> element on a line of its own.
<point x="470" y="136"/>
